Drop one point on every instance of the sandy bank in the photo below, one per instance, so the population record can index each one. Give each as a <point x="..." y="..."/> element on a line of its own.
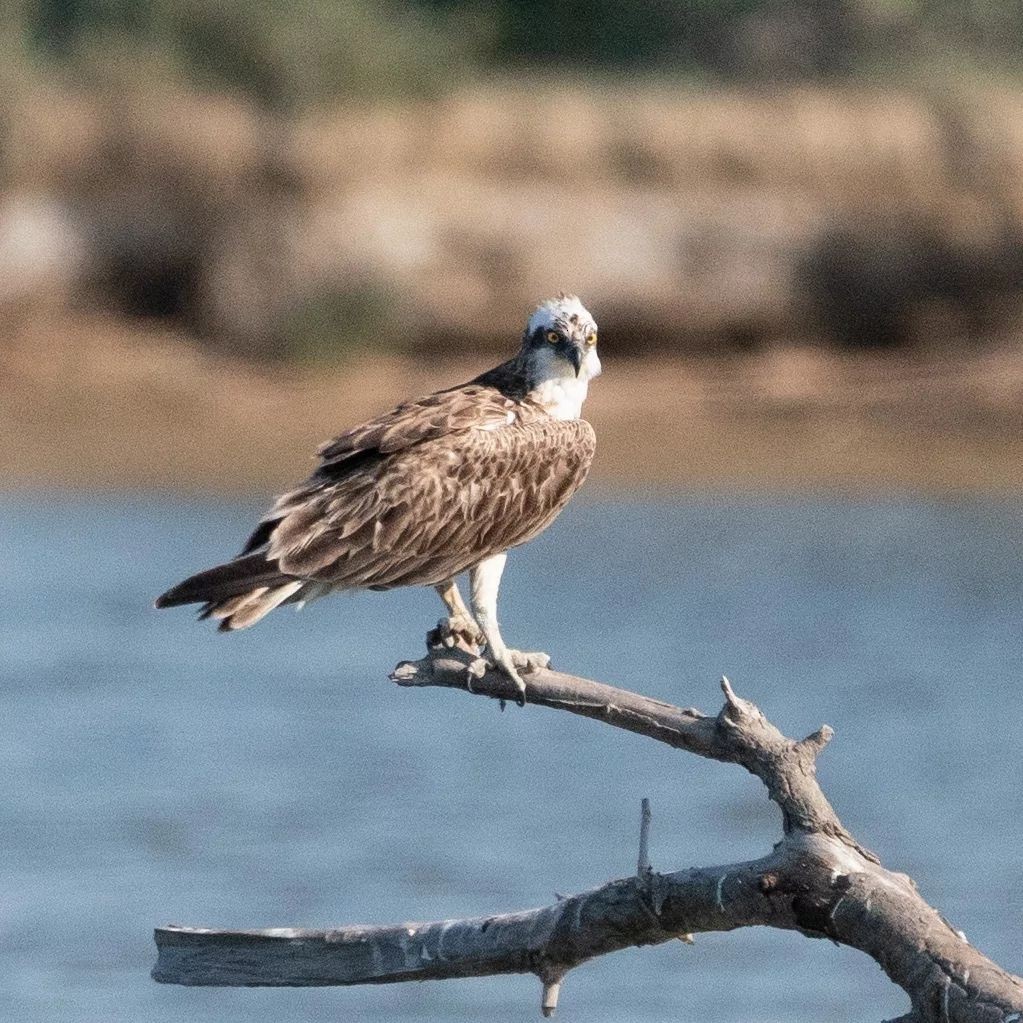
<point x="93" y="403"/>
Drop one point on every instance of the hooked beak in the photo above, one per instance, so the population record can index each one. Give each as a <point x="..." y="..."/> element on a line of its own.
<point x="576" y="354"/>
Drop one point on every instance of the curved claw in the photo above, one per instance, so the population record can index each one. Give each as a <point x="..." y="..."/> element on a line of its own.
<point x="507" y="665"/>
<point x="520" y="699"/>
<point x="474" y="671"/>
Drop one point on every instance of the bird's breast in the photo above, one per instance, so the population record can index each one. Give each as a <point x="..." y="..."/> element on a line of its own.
<point x="561" y="397"/>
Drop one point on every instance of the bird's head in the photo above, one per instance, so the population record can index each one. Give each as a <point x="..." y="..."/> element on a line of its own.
<point x="561" y="341"/>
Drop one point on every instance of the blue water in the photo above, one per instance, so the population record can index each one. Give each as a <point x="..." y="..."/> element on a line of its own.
<point x="155" y="772"/>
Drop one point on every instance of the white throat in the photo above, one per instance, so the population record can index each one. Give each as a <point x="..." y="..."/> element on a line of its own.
<point x="555" y="385"/>
<point x="562" y="397"/>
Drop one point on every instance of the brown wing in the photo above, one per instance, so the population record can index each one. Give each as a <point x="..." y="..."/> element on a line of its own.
<point x="470" y="406"/>
<point x="453" y="411"/>
<point x="419" y="501"/>
<point x="413" y="497"/>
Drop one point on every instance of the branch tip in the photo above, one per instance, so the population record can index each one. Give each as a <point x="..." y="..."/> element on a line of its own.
<point x="643" y="864"/>
<point x="816" y="741"/>
<point x="735" y="705"/>
<point x="405" y="671"/>
<point x="735" y="708"/>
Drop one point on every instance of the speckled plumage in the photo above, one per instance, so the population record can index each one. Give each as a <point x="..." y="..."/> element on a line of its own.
<point x="413" y="497"/>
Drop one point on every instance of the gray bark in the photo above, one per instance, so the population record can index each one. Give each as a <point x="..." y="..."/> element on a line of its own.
<point x="818" y="880"/>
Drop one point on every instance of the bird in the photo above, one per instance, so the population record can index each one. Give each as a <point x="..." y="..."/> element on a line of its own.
<point x="437" y="487"/>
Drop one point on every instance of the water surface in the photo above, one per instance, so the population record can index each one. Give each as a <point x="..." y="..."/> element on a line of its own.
<point x="155" y="772"/>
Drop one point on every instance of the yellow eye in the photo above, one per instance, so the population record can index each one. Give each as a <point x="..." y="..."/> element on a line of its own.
<point x="552" y="336"/>
<point x="591" y="338"/>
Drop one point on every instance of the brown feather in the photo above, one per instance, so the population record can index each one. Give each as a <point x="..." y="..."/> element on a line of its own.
<point x="433" y="510"/>
<point x="413" y="497"/>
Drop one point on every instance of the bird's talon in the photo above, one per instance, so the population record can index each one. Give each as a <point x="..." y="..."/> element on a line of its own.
<point x="474" y="671"/>
<point x="459" y="632"/>
<point x="529" y="662"/>
<point x="506" y="665"/>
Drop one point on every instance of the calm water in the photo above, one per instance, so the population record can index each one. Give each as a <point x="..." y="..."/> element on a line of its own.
<point x="155" y="772"/>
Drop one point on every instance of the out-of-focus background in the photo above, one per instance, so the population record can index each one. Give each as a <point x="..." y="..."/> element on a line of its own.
<point x="229" y="230"/>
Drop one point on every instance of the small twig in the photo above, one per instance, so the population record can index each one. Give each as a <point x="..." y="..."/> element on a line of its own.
<point x="730" y="697"/>
<point x="643" y="866"/>
<point x="816" y="741"/>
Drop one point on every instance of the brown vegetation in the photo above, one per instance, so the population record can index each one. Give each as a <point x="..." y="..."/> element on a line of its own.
<point x="690" y="221"/>
<point x="155" y="242"/>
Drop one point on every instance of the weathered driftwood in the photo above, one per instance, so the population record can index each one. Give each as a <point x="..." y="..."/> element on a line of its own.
<point x="818" y="880"/>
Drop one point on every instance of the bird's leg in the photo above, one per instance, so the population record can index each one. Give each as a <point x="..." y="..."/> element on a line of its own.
<point x="459" y="628"/>
<point x="485" y="579"/>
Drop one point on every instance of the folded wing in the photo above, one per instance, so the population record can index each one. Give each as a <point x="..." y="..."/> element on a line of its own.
<point x="413" y="497"/>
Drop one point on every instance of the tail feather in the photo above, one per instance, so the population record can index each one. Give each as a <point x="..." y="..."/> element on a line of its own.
<point x="233" y="579"/>
<point x="242" y="611"/>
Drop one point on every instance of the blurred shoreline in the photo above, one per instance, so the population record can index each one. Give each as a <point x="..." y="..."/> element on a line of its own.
<point x="798" y="288"/>
<point x="95" y="403"/>
<point x="694" y="221"/>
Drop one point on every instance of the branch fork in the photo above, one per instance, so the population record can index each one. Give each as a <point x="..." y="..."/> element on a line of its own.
<point x="817" y="880"/>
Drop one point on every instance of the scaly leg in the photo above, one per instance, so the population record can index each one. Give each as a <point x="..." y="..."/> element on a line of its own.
<point x="459" y="628"/>
<point x="485" y="579"/>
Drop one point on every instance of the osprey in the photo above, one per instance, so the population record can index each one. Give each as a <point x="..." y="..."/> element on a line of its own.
<point x="436" y="487"/>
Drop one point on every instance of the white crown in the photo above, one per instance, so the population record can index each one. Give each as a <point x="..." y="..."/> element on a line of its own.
<point x="560" y="309"/>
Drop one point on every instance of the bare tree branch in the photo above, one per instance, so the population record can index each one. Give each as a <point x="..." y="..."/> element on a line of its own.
<point x="739" y="734"/>
<point x="818" y="880"/>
